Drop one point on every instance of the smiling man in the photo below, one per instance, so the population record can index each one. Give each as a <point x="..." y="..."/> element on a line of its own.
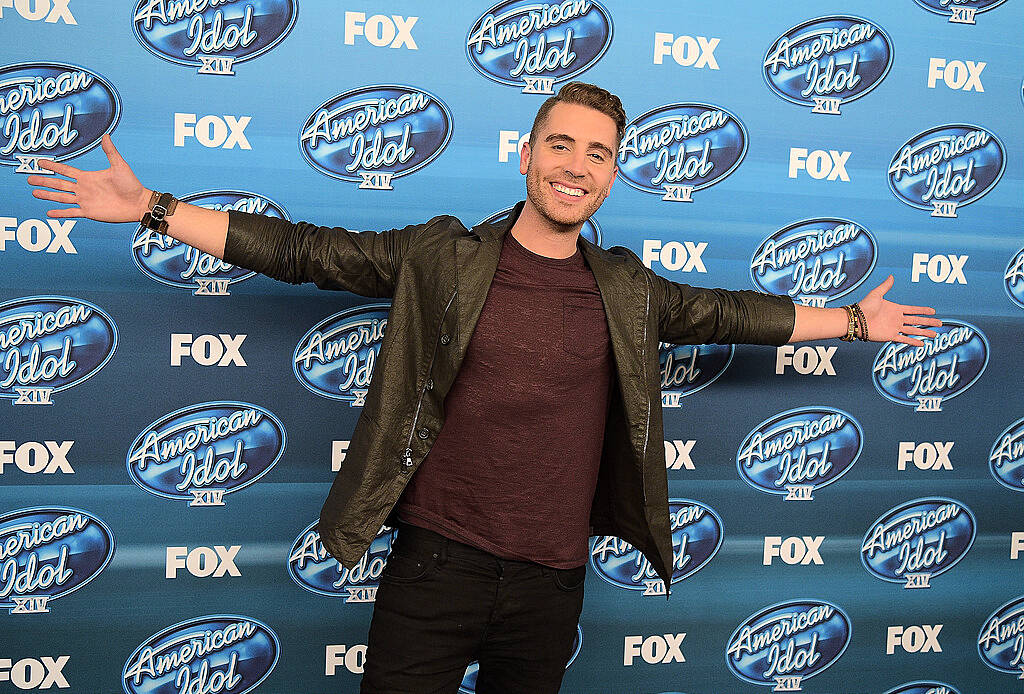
<point x="515" y="406"/>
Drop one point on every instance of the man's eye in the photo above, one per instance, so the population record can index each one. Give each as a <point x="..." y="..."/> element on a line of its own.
<point x="597" y="157"/>
<point x="560" y="147"/>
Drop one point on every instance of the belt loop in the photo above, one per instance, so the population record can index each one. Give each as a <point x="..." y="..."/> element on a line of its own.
<point x="442" y="551"/>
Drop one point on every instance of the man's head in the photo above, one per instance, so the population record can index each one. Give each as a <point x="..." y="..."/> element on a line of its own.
<point x="569" y="161"/>
<point x="583" y="94"/>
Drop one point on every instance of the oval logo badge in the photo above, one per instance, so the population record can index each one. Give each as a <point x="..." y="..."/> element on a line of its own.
<point x="1006" y="460"/>
<point x="202" y="452"/>
<point x="918" y="540"/>
<point x="829" y="61"/>
<point x="927" y="376"/>
<point x="536" y="45"/>
<point x="52" y="111"/>
<point x="314" y="569"/>
<point x="49" y="344"/>
<point x="1013" y="278"/>
<point x="784" y="644"/>
<point x="375" y="134"/>
<point x="998" y="641"/>
<point x="591" y="230"/>
<point x="212" y="37"/>
<point x="47" y="553"/>
<point x="177" y="264"/>
<point x="335" y="358"/>
<point x="685" y="369"/>
<point x="676" y="149"/>
<point x="697" y="534"/>
<point x="814" y="261"/>
<point x="468" y="685"/>
<point x="960" y="11"/>
<point x="800" y="450"/>
<point x="923" y="687"/>
<point x="214" y="653"/>
<point x="946" y="167"/>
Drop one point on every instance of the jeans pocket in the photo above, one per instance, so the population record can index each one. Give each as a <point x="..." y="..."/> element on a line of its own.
<point x="408" y="567"/>
<point x="569" y="579"/>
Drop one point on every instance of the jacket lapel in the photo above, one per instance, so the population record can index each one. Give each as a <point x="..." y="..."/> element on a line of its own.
<point x="476" y="259"/>
<point x="624" y="302"/>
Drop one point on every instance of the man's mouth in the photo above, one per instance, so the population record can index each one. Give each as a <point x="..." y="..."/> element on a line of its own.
<point x="569" y="190"/>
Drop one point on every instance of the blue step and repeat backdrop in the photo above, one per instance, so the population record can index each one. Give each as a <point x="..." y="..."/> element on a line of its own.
<point x="847" y="518"/>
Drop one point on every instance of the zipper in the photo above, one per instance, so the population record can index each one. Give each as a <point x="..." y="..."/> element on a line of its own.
<point x="407" y="457"/>
<point x="647" y="388"/>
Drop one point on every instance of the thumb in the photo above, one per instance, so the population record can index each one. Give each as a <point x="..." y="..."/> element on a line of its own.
<point x="884" y="287"/>
<point x="113" y="156"/>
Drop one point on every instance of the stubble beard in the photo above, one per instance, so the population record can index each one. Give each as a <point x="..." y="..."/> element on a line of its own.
<point x="542" y="195"/>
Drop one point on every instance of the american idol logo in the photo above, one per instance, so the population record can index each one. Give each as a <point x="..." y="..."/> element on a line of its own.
<point x="959" y="11"/>
<point x="214" y="653"/>
<point x="591" y="230"/>
<point x="1013" y="278"/>
<point x="927" y="376"/>
<point x="814" y="261"/>
<point x="212" y="36"/>
<point x="49" y="344"/>
<point x="946" y="167"/>
<point x="535" y="45"/>
<point x="798" y="451"/>
<point x="827" y="62"/>
<point x="697" y="534"/>
<point x="177" y="264"/>
<point x="335" y="358"/>
<point x="784" y="644"/>
<point x="314" y="569"/>
<point x="202" y="452"/>
<point x="1001" y="640"/>
<point x="1006" y="460"/>
<point x="918" y="540"/>
<point x="375" y="134"/>
<point x="676" y="149"/>
<point x="52" y="111"/>
<point x="47" y="553"/>
<point x="685" y="369"/>
<point x="468" y="685"/>
<point x="923" y="687"/>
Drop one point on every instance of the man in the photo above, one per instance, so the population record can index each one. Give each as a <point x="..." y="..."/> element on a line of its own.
<point x="518" y="379"/>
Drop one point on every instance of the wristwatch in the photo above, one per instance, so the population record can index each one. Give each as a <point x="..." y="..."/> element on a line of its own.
<point x="161" y="205"/>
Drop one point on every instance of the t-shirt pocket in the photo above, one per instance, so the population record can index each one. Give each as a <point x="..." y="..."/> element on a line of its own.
<point x="584" y="328"/>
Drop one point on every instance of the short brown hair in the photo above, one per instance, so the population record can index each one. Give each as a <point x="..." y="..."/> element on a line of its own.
<point x="588" y="95"/>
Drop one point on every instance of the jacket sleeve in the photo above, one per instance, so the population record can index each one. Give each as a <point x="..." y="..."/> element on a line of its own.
<point x="691" y="315"/>
<point x="363" y="262"/>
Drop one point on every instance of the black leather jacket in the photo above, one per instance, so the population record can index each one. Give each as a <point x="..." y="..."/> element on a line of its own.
<point x="437" y="276"/>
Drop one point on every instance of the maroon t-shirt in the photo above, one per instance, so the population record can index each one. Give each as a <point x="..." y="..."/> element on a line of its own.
<point x="514" y="467"/>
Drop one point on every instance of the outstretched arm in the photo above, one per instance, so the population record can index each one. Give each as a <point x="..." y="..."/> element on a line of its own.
<point x="114" y="194"/>
<point x="886" y="321"/>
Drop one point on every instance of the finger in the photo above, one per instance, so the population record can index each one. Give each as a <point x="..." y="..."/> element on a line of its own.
<point x="907" y="340"/>
<point x="65" y="212"/>
<point x="54" y="196"/>
<point x="923" y="332"/>
<point x="918" y="310"/>
<point x="113" y="156"/>
<point x="50" y="182"/>
<point x="884" y="287"/>
<point x="57" y="167"/>
<point x="930" y="322"/>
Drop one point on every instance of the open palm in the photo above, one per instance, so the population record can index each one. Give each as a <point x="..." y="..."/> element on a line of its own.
<point x="113" y="194"/>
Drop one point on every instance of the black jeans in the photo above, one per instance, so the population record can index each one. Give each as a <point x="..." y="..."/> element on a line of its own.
<point x="442" y="604"/>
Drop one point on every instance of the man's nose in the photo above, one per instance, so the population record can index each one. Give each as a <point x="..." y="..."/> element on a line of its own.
<point x="576" y="165"/>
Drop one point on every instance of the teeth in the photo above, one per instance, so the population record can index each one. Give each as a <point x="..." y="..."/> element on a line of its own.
<point x="575" y="192"/>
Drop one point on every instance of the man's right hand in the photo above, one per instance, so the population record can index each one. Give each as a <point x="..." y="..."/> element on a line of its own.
<point x="114" y="194"/>
<point x="110" y="195"/>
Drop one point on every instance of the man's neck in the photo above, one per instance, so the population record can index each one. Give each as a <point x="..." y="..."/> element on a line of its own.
<point x="540" y="235"/>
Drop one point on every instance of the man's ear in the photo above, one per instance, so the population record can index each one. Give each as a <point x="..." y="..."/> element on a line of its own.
<point x="524" y="157"/>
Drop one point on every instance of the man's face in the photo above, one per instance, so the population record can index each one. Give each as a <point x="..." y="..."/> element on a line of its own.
<point x="571" y="165"/>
